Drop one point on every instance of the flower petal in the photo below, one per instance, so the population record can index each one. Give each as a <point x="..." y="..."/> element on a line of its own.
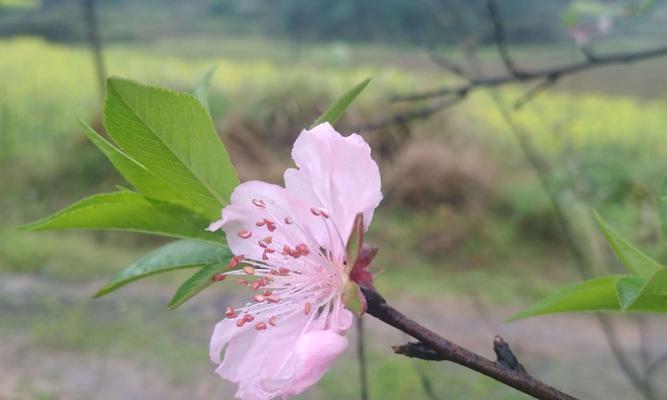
<point x="335" y="173"/>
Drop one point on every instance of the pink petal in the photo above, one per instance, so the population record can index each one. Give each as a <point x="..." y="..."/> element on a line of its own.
<point x="316" y="351"/>
<point x="335" y="173"/>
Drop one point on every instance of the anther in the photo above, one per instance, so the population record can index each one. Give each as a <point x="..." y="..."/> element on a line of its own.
<point x="303" y="249"/>
<point x="273" y="321"/>
<point x="230" y="313"/>
<point x="244" y="234"/>
<point x="258" y="203"/>
<point x="267" y="292"/>
<point x="249" y="270"/>
<point x="262" y="244"/>
<point x="260" y="326"/>
<point x="234" y="262"/>
<point x="283" y="271"/>
<point x="316" y="211"/>
<point x="218" y="277"/>
<point x="288" y="220"/>
<point x="258" y="298"/>
<point x="306" y="308"/>
<point x="240" y="322"/>
<point x="242" y="282"/>
<point x="260" y="223"/>
<point x="272" y="300"/>
<point x="268" y="240"/>
<point x="248" y="318"/>
<point x="256" y="285"/>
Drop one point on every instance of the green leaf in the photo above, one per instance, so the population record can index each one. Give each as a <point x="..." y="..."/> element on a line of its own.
<point x="649" y="297"/>
<point x="334" y="112"/>
<point x="195" y="284"/>
<point x="129" y="211"/>
<point x="355" y="241"/>
<point x="141" y="178"/>
<point x="628" y="289"/>
<point x="597" y="294"/>
<point x="201" y="89"/>
<point x="353" y="298"/>
<point x="175" y="255"/>
<point x="633" y="259"/>
<point x="171" y="135"/>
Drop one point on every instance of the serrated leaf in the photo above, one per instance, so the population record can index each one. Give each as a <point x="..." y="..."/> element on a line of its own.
<point x="136" y="174"/>
<point x="171" y="135"/>
<point x="633" y="259"/>
<point x="597" y="294"/>
<point x="195" y="284"/>
<point x="129" y="211"/>
<point x="337" y="109"/>
<point x="175" y="255"/>
<point x="201" y="89"/>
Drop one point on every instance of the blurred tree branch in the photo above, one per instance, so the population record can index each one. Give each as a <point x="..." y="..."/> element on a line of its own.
<point x="545" y="78"/>
<point x="506" y="369"/>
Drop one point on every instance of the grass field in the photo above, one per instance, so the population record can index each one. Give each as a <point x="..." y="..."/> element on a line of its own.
<point x="466" y="239"/>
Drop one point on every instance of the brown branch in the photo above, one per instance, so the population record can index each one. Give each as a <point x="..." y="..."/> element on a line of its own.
<point x="526" y="76"/>
<point x="500" y="38"/>
<point x="449" y="351"/>
<point x="411" y="115"/>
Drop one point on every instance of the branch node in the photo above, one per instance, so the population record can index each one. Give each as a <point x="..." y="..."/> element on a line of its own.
<point x="505" y="357"/>
<point x="418" y="350"/>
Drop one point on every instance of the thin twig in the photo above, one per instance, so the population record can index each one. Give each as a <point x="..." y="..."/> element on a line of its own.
<point x="361" y="356"/>
<point x="526" y="76"/>
<point x="412" y="115"/>
<point x="93" y="36"/>
<point x="425" y="381"/>
<point x="449" y="351"/>
<point x="500" y="38"/>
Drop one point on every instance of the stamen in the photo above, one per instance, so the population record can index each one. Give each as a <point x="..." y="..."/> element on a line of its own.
<point x="234" y="262"/>
<point x="306" y="308"/>
<point x="258" y="203"/>
<point x="249" y="270"/>
<point x="218" y="277"/>
<point x="260" y="326"/>
<point x="303" y="249"/>
<point x="244" y="234"/>
<point x="272" y="300"/>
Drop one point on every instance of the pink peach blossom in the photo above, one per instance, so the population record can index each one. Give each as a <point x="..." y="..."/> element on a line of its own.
<point x="290" y="249"/>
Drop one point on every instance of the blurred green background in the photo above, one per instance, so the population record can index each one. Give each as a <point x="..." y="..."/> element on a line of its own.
<point x="466" y="232"/>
